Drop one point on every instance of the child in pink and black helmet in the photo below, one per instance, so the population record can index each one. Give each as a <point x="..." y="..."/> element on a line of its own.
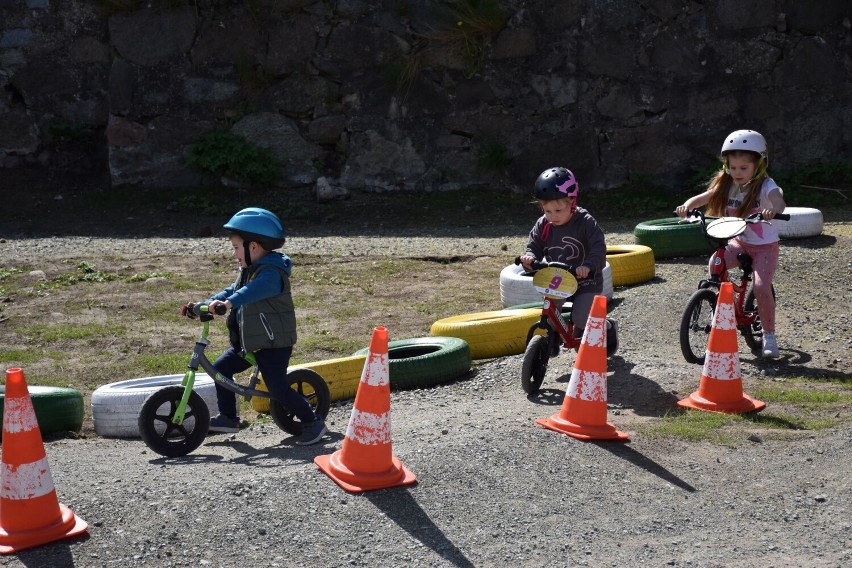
<point x="569" y="234"/>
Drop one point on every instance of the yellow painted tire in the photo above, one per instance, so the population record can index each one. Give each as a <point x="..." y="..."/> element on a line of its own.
<point x="341" y="375"/>
<point x="490" y="334"/>
<point x="631" y="264"/>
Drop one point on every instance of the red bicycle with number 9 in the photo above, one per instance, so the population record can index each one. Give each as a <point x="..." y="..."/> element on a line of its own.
<point x="557" y="282"/>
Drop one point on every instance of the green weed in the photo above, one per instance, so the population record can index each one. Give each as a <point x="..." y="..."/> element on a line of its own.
<point x="225" y="154"/>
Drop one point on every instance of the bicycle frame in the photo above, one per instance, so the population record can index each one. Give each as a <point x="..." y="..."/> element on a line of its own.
<point x="199" y="358"/>
<point x="552" y="319"/>
<point x="719" y="273"/>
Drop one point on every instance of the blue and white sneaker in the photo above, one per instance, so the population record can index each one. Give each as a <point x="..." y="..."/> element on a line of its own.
<point x="312" y="432"/>
<point x="221" y="423"/>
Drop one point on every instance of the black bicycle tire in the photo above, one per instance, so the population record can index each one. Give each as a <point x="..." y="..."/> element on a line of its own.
<point x="668" y="238"/>
<point x="317" y="395"/>
<point x="686" y="323"/>
<point x="155" y="427"/>
<point x="753" y="333"/>
<point x="425" y="361"/>
<point x="57" y="409"/>
<point x="534" y="364"/>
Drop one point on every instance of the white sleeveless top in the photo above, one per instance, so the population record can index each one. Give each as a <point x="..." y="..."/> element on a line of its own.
<point x="756" y="233"/>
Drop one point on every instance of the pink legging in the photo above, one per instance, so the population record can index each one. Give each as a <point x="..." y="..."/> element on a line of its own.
<point x="765" y="261"/>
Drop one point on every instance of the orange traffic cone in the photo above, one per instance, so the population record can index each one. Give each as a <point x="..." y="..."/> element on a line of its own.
<point x="30" y="512"/>
<point x="583" y="413"/>
<point x="721" y="388"/>
<point x="366" y="460"/>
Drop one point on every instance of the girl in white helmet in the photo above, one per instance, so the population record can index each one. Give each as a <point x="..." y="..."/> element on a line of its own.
<point x="742" y="187"/>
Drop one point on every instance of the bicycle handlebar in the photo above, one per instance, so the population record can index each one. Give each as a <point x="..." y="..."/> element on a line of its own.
<point x="753" y="218"/>
<point x="538" y="265"/>
<point x="193" y="310"/>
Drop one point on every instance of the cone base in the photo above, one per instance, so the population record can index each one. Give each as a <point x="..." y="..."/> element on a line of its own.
<point x="66" y="526"/>
<point x="582" y="432"/>
<point x="744" y="405"/>
<point x="356" y="482"/>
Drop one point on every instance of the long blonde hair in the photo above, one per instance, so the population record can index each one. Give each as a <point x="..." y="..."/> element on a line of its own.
<point x="720" y="185"/>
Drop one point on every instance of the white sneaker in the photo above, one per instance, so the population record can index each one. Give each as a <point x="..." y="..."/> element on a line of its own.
<point x="770" y="346"/>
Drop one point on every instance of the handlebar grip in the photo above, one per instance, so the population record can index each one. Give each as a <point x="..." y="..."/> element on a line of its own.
<point x="782" y="216"/>
<point x="220" y="309"/>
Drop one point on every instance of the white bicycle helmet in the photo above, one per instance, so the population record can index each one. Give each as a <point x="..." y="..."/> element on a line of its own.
<point x="749" y="140"/>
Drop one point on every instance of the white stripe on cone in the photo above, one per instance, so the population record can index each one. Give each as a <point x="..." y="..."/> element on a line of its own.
<point x="595" y="334"/>
<point x="724" y="317"/>
<point x="19" y="416"/>
<point x="587" y="385"/>
<point x="722" y="366"/>
<point x="26" y="481"/>
<point x="376" y="371"/>
<point x="369" y="429"/>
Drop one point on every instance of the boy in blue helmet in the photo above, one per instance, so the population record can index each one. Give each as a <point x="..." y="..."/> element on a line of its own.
<point x="262" y="320"/>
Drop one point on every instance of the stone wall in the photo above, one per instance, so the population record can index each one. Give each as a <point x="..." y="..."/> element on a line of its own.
<point x="423" y="94"/>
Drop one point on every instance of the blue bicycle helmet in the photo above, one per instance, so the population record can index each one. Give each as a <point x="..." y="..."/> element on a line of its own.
<point x="259" y="225"/>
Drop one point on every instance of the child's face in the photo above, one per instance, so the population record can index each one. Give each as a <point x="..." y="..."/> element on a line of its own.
<point x="741" y="167"/>
<point x="239" y="250"/>
<point x="558" y="211"/>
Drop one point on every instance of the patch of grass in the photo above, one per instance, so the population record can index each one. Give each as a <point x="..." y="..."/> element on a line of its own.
<point x="803" y="397"/>
<point x="27" y="356"/>
<point x="85" y="272"/>
<point x="7" y="272"/>
<point x="47" y="333"/>
<point x="142" y="277"/>
<point x="225" y="154"/>
<point x="165" y="363"/>
<point x="697" y="426"/>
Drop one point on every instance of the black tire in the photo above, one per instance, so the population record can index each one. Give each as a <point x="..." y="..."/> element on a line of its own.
<point x="57" y="409"/>
<point x="425" y="361"/>
<point x="534" y="365"/>
<point x="311" y="386"/>
<point x="695" y="325"/>
<point x="169" y="439"/>
<point x="753" y="334"/>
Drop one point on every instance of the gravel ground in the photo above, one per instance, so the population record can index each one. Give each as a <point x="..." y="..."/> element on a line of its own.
<point x="493" y="488"/>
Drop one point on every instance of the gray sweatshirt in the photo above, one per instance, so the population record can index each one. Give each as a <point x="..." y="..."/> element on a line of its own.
<point x="579" y="241"/>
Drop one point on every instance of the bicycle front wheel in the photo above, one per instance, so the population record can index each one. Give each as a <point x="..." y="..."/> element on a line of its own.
<point x="695" y="325"/>
<point x="164" y="436"/>
<point x="534" y="365"/>
<point x="313" y="388"/>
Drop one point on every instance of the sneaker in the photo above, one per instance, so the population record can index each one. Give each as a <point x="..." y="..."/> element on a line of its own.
<point x="312" y="432"/>
<point x="611" y="337"/>
<point x="770" y="346"/>
<point x="221" y="423"/>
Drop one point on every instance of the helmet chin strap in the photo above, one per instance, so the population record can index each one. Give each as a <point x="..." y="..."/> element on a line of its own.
<point x="247" y="251"/>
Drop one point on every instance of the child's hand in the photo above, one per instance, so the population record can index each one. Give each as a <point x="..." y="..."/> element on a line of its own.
<point x="681" y="210"/>
<point x="213" y="306"/>
<point x="582" y="271"/>
<point x="767" y="214"/>
<point x="527" y="261"/>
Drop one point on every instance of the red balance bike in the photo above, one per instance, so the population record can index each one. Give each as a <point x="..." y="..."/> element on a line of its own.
<point x="557" y="282"/>
<point x="697" y="317"/>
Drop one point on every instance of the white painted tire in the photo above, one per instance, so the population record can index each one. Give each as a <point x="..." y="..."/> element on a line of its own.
<point x="517" y="289"/>
<point x="116" y="406"/>
<point x="804" y="222"/>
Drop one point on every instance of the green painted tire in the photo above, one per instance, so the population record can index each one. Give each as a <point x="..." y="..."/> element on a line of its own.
<point x="57" y="409"/>
<point x="669" y="239"/>
<point x="425" y="361"/>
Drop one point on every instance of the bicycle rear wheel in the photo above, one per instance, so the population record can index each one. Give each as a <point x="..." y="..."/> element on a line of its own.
<point x="534" y="365"/>
<point x="753" y="333"/>
<point x="165" y="437"/>
<point x="695" y="325"/>
<point x="312" y="387"/>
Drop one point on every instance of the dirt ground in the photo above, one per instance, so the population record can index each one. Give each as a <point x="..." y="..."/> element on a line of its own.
<point x="493" y="488"/>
